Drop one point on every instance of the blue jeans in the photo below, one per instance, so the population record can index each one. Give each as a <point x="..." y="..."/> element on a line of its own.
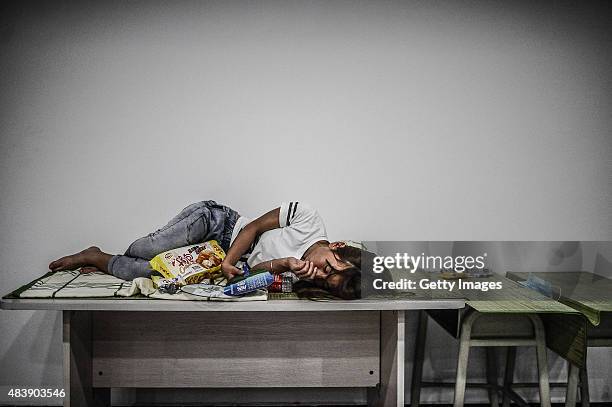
<point x="196" y="223"/>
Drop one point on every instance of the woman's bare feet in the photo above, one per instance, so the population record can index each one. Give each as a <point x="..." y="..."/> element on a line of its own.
<point x="92" y="257"/>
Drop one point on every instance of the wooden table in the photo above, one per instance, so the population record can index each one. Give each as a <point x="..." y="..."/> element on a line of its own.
<point x="591" y="295"/>
<point x="277" y="343"/>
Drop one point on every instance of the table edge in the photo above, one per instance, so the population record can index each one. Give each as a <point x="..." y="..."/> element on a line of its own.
<point x="203" y="306"/>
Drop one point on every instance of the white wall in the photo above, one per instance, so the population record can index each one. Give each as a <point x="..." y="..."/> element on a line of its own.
<point x="400" y="121"/>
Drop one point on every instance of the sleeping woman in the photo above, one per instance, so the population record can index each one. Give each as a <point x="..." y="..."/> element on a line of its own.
<point x="291" y="237"/>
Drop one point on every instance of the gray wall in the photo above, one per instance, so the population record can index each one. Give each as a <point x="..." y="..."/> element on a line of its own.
<point x="399" y="121"/>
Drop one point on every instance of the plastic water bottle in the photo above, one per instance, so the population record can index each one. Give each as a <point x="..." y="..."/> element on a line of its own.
<point x="249" y="284"/>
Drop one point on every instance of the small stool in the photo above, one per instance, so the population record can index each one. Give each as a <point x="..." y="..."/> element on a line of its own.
<point x="577" y="379"/>
<point x="488" y="330"/>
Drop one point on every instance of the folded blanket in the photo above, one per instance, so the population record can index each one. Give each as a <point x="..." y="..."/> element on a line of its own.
<point x="73" y="284"/>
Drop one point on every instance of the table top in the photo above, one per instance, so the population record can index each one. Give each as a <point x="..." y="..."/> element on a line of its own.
<point x="104" y="296"/>
<point x="586" y="292"/>
<point x="512" y="298"/>
<point x="145" y="304"/>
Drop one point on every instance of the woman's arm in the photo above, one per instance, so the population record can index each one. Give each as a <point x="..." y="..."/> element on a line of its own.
<point x="301" y="268"/>
<point x="245" y="239"/>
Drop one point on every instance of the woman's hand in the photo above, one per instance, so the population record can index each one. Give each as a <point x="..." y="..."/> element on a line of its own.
<point x="230" y="271"/>
<point x="302" y="268"/>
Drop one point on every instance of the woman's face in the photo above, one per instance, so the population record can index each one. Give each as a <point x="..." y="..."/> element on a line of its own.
<point x="327" y="261"/>
<point x="332" y="281"/>
<point x="335" y="284"/>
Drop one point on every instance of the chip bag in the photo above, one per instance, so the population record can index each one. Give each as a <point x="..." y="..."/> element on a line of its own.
<point x="188" y="265"/>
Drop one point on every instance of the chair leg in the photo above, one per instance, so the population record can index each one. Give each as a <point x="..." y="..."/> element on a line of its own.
<point x="492" y="377"/>
<point x="509" y="374"/>
<point x="584" y="387"/>
<point x="542" y="361"/>
<point x="462" y="360"/>
<point x="572" y="385"/>
<point x="419" y="357"/>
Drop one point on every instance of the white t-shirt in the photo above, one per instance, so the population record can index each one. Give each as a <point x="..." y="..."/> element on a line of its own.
<point x="301" y="226"/>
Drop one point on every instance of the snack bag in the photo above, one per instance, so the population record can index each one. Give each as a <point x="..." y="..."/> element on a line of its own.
<point x="188" y="265"/>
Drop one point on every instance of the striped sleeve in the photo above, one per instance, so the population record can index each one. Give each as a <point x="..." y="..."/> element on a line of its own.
<point x="294" y="212"/>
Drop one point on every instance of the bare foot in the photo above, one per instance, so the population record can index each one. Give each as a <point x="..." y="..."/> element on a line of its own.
<point x="84" y="258"/>
<point x="89" y="269"/>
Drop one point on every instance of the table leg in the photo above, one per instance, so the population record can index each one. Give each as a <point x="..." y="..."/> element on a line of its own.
<point x="492" y="377"/>
<point x="77" y="327"/>
<point x="391" y="389"/>
<point x="509" y="374"/>
<point x="419" y="357"/>
<point x="540" y="337"/>
<point x="584" y="387"/>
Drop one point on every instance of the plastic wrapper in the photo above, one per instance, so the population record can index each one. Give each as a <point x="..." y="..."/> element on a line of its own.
<point x="198" y="263"/>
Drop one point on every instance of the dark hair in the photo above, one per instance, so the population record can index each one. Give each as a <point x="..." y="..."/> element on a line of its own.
<point x="352" y="255"/>
<point x="344" y="284"/>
